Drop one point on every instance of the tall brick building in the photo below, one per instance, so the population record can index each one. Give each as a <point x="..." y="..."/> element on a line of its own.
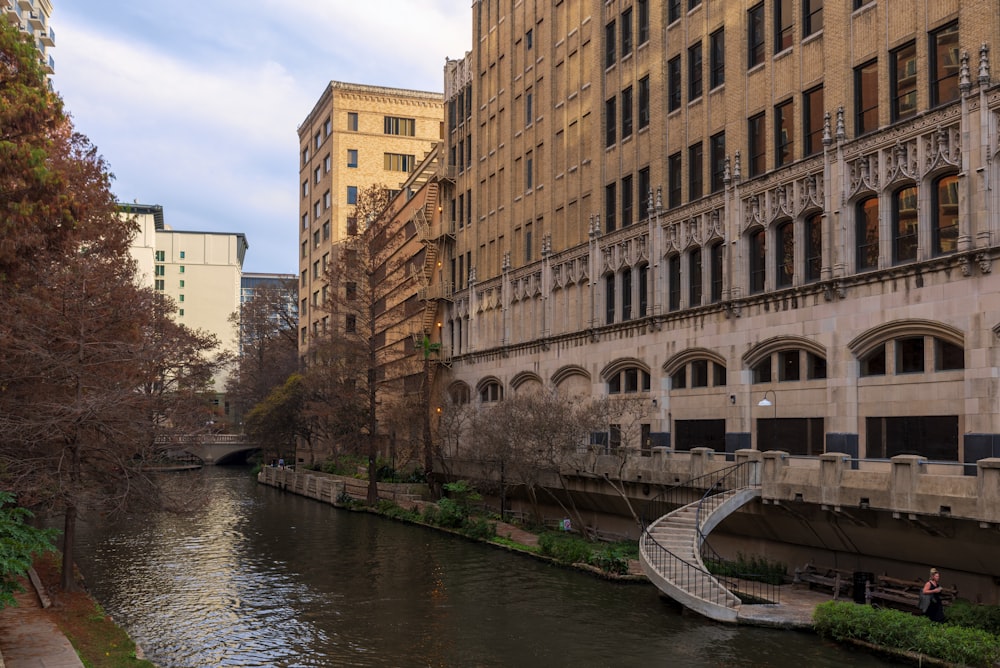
<point x="708" y="203"/>
<point x="354" y="137"/>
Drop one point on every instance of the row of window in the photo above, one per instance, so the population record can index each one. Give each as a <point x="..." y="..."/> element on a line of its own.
<point x="695" y="170"/>
<point x="161" y="270"/>
<point x="695" y="70"/>
<point x="613" y="50"/>
<point x="632" y="111"/>
<point x="612" y="193"/>
<point x="161" y="256"/>
<point x="318" y="139"/>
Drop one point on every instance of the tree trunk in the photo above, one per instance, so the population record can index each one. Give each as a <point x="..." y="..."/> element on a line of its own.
<point x="68" y="582"/>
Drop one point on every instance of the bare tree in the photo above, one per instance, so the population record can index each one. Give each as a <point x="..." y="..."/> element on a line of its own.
<point x="361" y="280"/>
<point x="267" y="327"/>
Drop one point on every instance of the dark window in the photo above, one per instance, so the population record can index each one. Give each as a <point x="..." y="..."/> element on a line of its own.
<point x="758" y="263"/>
<point x="529" y="112"/>
<point x="755" y="35"/>
<point x="627" y="200"/>
<point x="944" y="64"/>
<point x="626" y="32"/>
<point x="694" y="277"/>
<point x="674" y="180"/>
<point x="904" y="218"/>
<point x="812" y="16"/>
<point x="693" y="3"/>
<point x="694" y="71"/>
<point x="699" y="373"/>
<point x="627" y="294"/>
<point x="609" y="298"/>
<point x="945" y="213"/>
<point x="674" y="83"/>
<point x="609" y="122"/>
<point x="610" y="207"/>
<point x="858" y="4"/>
<point x="718" y="375"/>
<point x="643" y="290"/>
<point x="761" y="371"/>
<point x="904" y="81"/>
<point x="910" y="355"/>
<point x="796" y="436"/>
<point x="674" y="277"/>
<point x="866" y="98"/>
<point x="716" y="269"/>
<point x="695" y="169"/>
<point x="784" y="134"/>
<point x="784" y="258"/>
<point x="644" y="102"/>
<point x="643" y="193"/>
<point x="627" y="112"/>
<point x="351" y="324"/>
<point x="678" y="381"/>
<point x="812" y="121"/>
<point x="814" y="246"/>
<point x="700" y="434"/>
<point x="932" y="436"/>
<point x="789" y="365"/>
<point x="643" y="28"/>
<point x="610" y="52"/>
<point x="815" y="367"/>
<point x="866" y="226"/>
<point x="948" y="356"/>
<point x="784" y="28"/>
<point x="717" y="57"/>
<point x="529" y="40"/>
<point x="717" y="158"/>
<point x="873" y="364"/>
<point x="673" y="10"/>
<point x="755" y="138"/>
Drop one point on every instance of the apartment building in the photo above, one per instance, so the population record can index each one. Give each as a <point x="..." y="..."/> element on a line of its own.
<point x="355" y="136"/>
<point x="776" y="221"/>
<point x="32" y="18"/>
<point x="200" y="271"/>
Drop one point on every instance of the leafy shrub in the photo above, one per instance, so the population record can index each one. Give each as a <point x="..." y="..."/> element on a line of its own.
<point x="610" y="559"/>
<point x="19" y="542"/>
<point x="479" y="528"/>
<point x="965" y="613"/>
<point x="344" y="499"/>
<point x="450" y="514"/>
<point x="565" y="548"/>
<point x="903" y="631"/>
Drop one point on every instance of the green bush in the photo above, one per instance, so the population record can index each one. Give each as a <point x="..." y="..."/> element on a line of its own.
<point x="904" y="631"/>
<point x="450" y="514"/>
<point x="565" y="548"/>
<point x="610" y="559"/>
<point x="479" y="528"/>
<point x="965" y="613"/>
<point x="19" y="543"/>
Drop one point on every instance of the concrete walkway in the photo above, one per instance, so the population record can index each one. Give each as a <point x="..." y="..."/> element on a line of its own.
<point x="30" y="639"/>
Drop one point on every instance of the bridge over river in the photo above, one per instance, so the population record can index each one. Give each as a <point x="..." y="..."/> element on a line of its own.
<point x="210" y="449"/>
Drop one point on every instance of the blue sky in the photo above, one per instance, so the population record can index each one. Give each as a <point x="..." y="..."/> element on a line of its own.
<point x="195" y="105"/>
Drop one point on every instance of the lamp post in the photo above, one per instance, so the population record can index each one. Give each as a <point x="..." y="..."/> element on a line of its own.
<point x="774" y="421"/>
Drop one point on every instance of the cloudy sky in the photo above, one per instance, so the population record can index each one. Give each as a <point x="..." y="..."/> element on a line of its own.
<point x="195" y="105"/>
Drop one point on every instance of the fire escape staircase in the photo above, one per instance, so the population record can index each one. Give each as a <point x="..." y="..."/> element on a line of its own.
<point x="673" y="546"/>
<point x="429" y="290"/>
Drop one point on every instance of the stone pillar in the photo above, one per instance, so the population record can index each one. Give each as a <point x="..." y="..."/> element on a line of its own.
<point x="755" y="459"/>
<point x="831" y="472"/>
<point x="904" y="482"/>
<point x="700" y="459"/>
<point x="988" y="497"/>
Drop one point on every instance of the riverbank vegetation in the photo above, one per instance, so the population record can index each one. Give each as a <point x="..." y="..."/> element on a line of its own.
<point x="907" y="634"/>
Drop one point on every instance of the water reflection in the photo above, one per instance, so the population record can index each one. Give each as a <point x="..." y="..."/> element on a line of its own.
<point x="264" y="578"/>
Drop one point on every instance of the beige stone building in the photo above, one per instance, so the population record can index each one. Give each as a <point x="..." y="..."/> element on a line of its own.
<point x="712" y="203"/>
<point x="354" y="137"/>
<point x="200" y="271"/>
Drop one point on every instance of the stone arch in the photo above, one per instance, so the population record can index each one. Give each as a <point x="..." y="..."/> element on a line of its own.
<point x="866" y="341"/>
<point x="777" y="343"/>
<point x="680" y="359"/>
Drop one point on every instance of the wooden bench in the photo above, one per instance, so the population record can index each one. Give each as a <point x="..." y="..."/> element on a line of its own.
<point x="835" y="579"/>
<point x="903" y="592"/>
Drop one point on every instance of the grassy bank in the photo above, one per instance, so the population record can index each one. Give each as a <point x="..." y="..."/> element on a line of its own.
<point x="98" y="641"/>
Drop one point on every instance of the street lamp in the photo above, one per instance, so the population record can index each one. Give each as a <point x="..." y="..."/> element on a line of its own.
<point x="774" y="422"/>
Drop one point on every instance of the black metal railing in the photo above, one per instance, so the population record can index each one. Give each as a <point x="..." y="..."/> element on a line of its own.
<point x="709" y="491"/>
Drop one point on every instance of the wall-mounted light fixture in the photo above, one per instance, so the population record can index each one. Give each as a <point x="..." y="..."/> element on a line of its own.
<point x="655" y="402"/>
<point x="732" y="399"/>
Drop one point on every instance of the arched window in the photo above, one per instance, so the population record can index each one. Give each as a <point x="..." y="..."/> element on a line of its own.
<point x="629" y="381"/>
<point x="866" y="233"/>
<point x="814" y="247"/>
<point x="945" y="213"/>
<point x="459" y="394"/>
<point x="609" y="299"/>
<point x="758" y="250"/>
<point x="904" y="224"/>
<point x="643" y="290"/>
<point x="626" y="294"/>
<point x="490" y="392"/>
<point x="784" y="254"/>
<point x="694" y="277"/>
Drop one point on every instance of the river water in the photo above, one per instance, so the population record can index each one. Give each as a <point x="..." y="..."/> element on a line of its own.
<point x="261" y="577"/>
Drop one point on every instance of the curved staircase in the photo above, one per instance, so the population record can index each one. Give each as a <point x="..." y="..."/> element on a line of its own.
<point x="670" y="549"/>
